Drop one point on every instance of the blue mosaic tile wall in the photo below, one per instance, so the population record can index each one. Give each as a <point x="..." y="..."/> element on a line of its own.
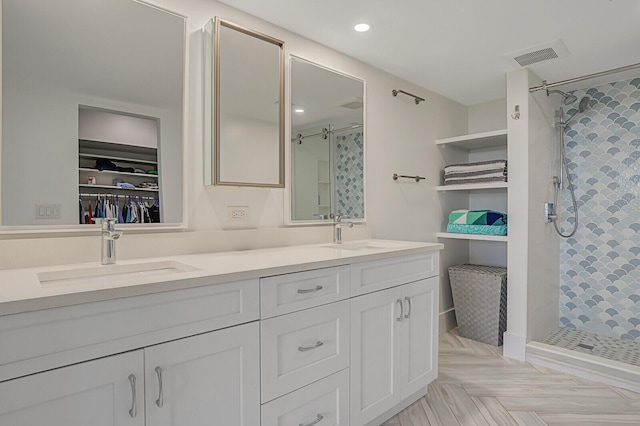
<point x="600" y="264"/>
<point x="350" y="175"/>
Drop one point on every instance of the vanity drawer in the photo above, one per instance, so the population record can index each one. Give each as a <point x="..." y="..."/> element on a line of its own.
<point x="367" y="277"/>
<point x="282" y="294"/>
<point x="326" y="400"/>
<point x="303" y="347"/>
<point x="36" y="341"/>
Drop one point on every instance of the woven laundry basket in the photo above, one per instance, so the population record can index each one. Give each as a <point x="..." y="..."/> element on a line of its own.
<point x="480" y="300"/>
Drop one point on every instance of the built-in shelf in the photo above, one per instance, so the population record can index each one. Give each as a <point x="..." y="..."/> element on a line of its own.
<point x="474" y="237"/>
<point x="116" y="188"/>
<point x="495" y="138"/>
<point x="123" y="159"/>
<point x="473" y="187"/>
<point x="113" y="172"/>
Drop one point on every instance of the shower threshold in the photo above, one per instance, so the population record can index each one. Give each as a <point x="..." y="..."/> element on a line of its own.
<point x="599" y="358"/>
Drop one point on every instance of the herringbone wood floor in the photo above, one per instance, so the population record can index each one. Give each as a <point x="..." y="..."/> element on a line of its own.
<point x="476" y="386"/>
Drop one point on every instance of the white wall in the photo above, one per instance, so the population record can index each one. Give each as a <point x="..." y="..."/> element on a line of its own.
<point x="400" y="139"/>
<point x="515" y="337"/>
<point x="543" y="280"/>
<point x="488" y="116"/>
<point x="106" y="126"/>
<point x="534" y="256"/>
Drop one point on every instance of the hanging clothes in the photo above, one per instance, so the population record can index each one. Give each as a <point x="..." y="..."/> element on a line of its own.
<point x="90" y="221"/>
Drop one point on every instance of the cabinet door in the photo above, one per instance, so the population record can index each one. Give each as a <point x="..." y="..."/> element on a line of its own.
<point x="376" y="325"/>
<point x="209" y="379"/>
<point x="105" y="392"/>
<point x="419" y="364"/>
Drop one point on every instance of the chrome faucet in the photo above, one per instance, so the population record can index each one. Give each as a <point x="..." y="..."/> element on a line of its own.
<point x="337" y="229"/>
<point x="109" y="237"/>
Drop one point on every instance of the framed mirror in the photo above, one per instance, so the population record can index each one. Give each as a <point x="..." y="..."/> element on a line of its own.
<point x="327" y="147"/>
<point x="92" y="112"/>
<point x="248" y="124"/>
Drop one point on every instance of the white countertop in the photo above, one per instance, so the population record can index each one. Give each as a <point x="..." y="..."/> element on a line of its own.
<point x="22" y="291"/>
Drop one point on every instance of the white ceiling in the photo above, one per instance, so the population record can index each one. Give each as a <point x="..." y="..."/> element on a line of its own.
<point x="457" y="47"/>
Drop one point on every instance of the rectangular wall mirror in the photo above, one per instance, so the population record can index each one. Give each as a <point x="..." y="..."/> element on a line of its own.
<point x="92" y="108"/>
<point x="327" y="144"/>
<point x="248" y="122"/>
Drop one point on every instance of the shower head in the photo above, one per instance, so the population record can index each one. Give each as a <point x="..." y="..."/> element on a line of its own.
<point x="584" y="104"/>
<point x="567" y="99"/>
<point x="582" y="107"/>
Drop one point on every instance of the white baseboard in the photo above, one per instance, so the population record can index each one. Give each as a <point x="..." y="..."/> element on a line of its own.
<point x="447" y="320"/>
<point x="584" y="365"/>
<point x="514" y="346"/>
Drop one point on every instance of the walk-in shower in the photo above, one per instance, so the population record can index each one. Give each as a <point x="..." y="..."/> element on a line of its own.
<point x="597" y="333"/>
<point x="564" y="174"/>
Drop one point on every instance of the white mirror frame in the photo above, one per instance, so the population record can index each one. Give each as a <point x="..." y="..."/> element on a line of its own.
<point x="281" y="110"/>
<point x="64" y="230"/>
<point x="288" y="219"/>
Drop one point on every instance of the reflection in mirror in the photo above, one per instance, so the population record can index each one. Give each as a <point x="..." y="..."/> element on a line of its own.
<point x="327" y="144"/>
<point x="92" y="106"/>
<point x="249" y="111"/>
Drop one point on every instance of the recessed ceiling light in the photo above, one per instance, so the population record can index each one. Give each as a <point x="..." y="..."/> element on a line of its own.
<point x="298" y="110"/>
<point x="362" y="28"/>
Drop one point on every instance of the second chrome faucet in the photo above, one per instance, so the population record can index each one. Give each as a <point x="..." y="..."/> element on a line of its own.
<point x="338" y="224"/>
<point x="109" y="237"/>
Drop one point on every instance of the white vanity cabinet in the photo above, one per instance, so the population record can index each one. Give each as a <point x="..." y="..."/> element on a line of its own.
<point x="104" y="392"/>
<point x="394" y="346"/>
<point x="187" y="382"/>
<point x="305" y="348"/>
<point x="187" y="340"/>
<point x="341" y="342"/>
<point x="206" y="379"/>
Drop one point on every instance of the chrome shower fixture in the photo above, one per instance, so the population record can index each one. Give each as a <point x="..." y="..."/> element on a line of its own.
<point x="567" y="98"/>
<point x="582" y="107"/>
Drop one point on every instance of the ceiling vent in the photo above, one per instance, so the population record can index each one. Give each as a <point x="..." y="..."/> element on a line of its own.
<point x="352" y="103"/>
<point x="539" y="53"/>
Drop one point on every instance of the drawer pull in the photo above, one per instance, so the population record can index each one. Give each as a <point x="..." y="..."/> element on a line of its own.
<point x="315" y="422"/>
<point x="133" y="412"/>
<point x="408" y="314"/>
<point x="160" y="400"/>
<point x="310" y="290"/>
<point x="310" y="348"/>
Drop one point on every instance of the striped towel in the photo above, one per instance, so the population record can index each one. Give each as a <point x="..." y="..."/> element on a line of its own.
<point x="479" y="166"/>
<point x="478" y="172"/>
<point x="454" y="228"/>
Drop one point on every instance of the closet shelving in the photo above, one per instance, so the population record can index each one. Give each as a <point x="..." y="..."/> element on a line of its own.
<point x="129" y="156"/>
<point x="473" y="144"/>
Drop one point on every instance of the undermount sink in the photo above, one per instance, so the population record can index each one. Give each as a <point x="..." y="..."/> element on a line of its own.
<point x="112" y="273"/>
<point x="363" y="245"/>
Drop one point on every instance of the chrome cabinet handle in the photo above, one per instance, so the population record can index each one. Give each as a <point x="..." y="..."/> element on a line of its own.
<point x="399" y="302"/>
<point x="160" y="400"/>
<point x="133" y="412"/>
<point x="310" y="348"/>
<point x="318" y="419"/>
<point x="311" y="290"/>
<point x="408" y="300"/>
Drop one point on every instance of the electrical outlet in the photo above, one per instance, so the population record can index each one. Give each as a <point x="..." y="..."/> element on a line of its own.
<point x="47" y="211"/>
<point x="238" y="213"/>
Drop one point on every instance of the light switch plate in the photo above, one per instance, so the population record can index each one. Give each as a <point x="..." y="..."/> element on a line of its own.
<point x="47" y="211"/>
